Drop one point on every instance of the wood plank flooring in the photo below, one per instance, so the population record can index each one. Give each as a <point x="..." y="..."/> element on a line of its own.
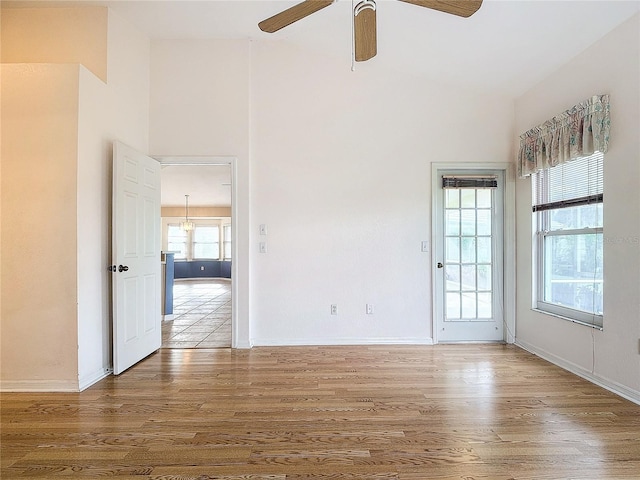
<point x="380" y="412"/>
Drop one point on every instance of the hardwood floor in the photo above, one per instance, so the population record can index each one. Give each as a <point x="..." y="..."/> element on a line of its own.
<point x="380" y="412"/>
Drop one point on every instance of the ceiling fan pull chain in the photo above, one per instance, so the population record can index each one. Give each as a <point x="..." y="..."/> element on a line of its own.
<point x="353" y="38"/>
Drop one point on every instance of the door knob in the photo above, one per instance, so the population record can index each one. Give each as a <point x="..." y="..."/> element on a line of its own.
<point x="123" y="268"/>
<point x="440" y="265"/>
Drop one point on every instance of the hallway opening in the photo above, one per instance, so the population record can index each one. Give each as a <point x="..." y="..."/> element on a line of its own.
<point x="201" y="315"/>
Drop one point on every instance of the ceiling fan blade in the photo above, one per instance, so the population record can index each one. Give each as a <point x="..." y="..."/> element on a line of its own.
<point x="462" y="8"/>
<point x="293" y="14"/>
<point x="364" y="30"/>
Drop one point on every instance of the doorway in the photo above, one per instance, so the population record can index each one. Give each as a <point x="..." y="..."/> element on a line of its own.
<point x="203" y="289"/>
<point x="201" y="315"/>
<point x="469" y="228"/>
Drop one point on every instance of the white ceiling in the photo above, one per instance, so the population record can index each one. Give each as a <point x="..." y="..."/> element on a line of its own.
<point x="206" y="185"/>
<point x="507" y="47"/>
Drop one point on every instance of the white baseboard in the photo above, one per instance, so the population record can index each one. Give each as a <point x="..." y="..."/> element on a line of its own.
<point x="87" y="380"/>
<point x="54" y="385"/>
<point x="39" y="386"/>
<point x="291" y="342"/>
<point x="614" y="387"/>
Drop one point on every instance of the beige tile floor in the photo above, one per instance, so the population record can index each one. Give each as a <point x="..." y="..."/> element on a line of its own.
<point x="201" y="315"/>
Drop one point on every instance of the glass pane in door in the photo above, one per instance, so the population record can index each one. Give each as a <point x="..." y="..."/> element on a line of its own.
<point x="468" y="252"/>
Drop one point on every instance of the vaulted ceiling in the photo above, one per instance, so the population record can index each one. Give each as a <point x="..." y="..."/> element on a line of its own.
<point x="507" y="47"/>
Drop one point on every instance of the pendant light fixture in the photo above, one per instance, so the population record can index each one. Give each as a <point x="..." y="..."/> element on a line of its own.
<point x="187" y="225"/>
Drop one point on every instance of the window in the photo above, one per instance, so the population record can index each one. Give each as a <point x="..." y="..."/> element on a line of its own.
<point x="206" y="242"/>
<point x="567" y="205"/>
<point x="177" y="241"/>
<point x="209" y="240"/>
<point x="226" y="232"/>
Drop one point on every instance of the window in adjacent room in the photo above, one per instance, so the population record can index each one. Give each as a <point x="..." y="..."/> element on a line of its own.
<point x="226" y="233"/>
<point x="206" y="242"/>
<point x="177" y="241"/>
<point x="567" y="206"/>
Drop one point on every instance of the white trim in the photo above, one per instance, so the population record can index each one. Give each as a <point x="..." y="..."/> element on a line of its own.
<point x="509" y="250"/>
<point x="39" y="386"/>
<point x="195" y="159"/>
<point x="508" y="247"/>
<point x="272" y="342"/>
<point x="236" y="341"/>
<point x="614" y="387"/>
<point x="86" y="381"/>
<point x="235" y="271"/>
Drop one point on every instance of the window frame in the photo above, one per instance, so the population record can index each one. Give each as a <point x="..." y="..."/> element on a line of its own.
<point x="194" y="242"/>
<point x="543" y="231"/>
<point x="186" y="242"/>
<point x="190" y="243"/>
<point x="579" y="316"/>
<point x="227" y="228"/>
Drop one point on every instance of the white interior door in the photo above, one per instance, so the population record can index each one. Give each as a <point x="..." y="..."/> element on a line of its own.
<point x="137" y="330"/>
<point x="468" y="270"/>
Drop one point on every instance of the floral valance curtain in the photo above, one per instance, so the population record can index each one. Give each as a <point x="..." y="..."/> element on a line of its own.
<point x="578" y="132"/>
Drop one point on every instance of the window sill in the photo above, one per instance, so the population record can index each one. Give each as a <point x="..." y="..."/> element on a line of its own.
<point x="569" y="319"/>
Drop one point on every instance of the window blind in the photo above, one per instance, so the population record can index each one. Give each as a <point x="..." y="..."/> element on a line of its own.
<point x="469" y="181"/>
<point x="574" y="183"/>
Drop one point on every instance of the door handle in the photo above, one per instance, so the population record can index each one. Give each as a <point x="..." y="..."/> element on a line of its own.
<point x="440" y="265"/>
<point x="123" y="268"/>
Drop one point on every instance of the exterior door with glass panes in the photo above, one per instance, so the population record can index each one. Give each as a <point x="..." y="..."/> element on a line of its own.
<point x="468" y="221"/>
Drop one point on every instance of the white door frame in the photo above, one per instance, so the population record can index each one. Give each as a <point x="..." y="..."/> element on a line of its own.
<point x="232" y="162"/>
<point x="509" y="241"/>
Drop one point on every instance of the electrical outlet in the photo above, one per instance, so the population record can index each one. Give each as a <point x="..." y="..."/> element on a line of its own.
<point x="369" y="309"/>
<point x="202" y="268"/>
<point x="334" y="309"/>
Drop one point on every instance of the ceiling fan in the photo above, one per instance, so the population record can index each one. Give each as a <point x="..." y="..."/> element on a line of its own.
<point x="364" y="19"/>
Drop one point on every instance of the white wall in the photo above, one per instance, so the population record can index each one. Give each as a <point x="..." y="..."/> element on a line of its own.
<point x="611" y="356"/>
<point x="118" y="110"/>
<point x="200" y="101"/>
<point x="341" y="174"/>
<point x="39" y="235"/>
<point x="59" y="122"/>
<point x="93" y="235"/>
<point x="56" y="35"/>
